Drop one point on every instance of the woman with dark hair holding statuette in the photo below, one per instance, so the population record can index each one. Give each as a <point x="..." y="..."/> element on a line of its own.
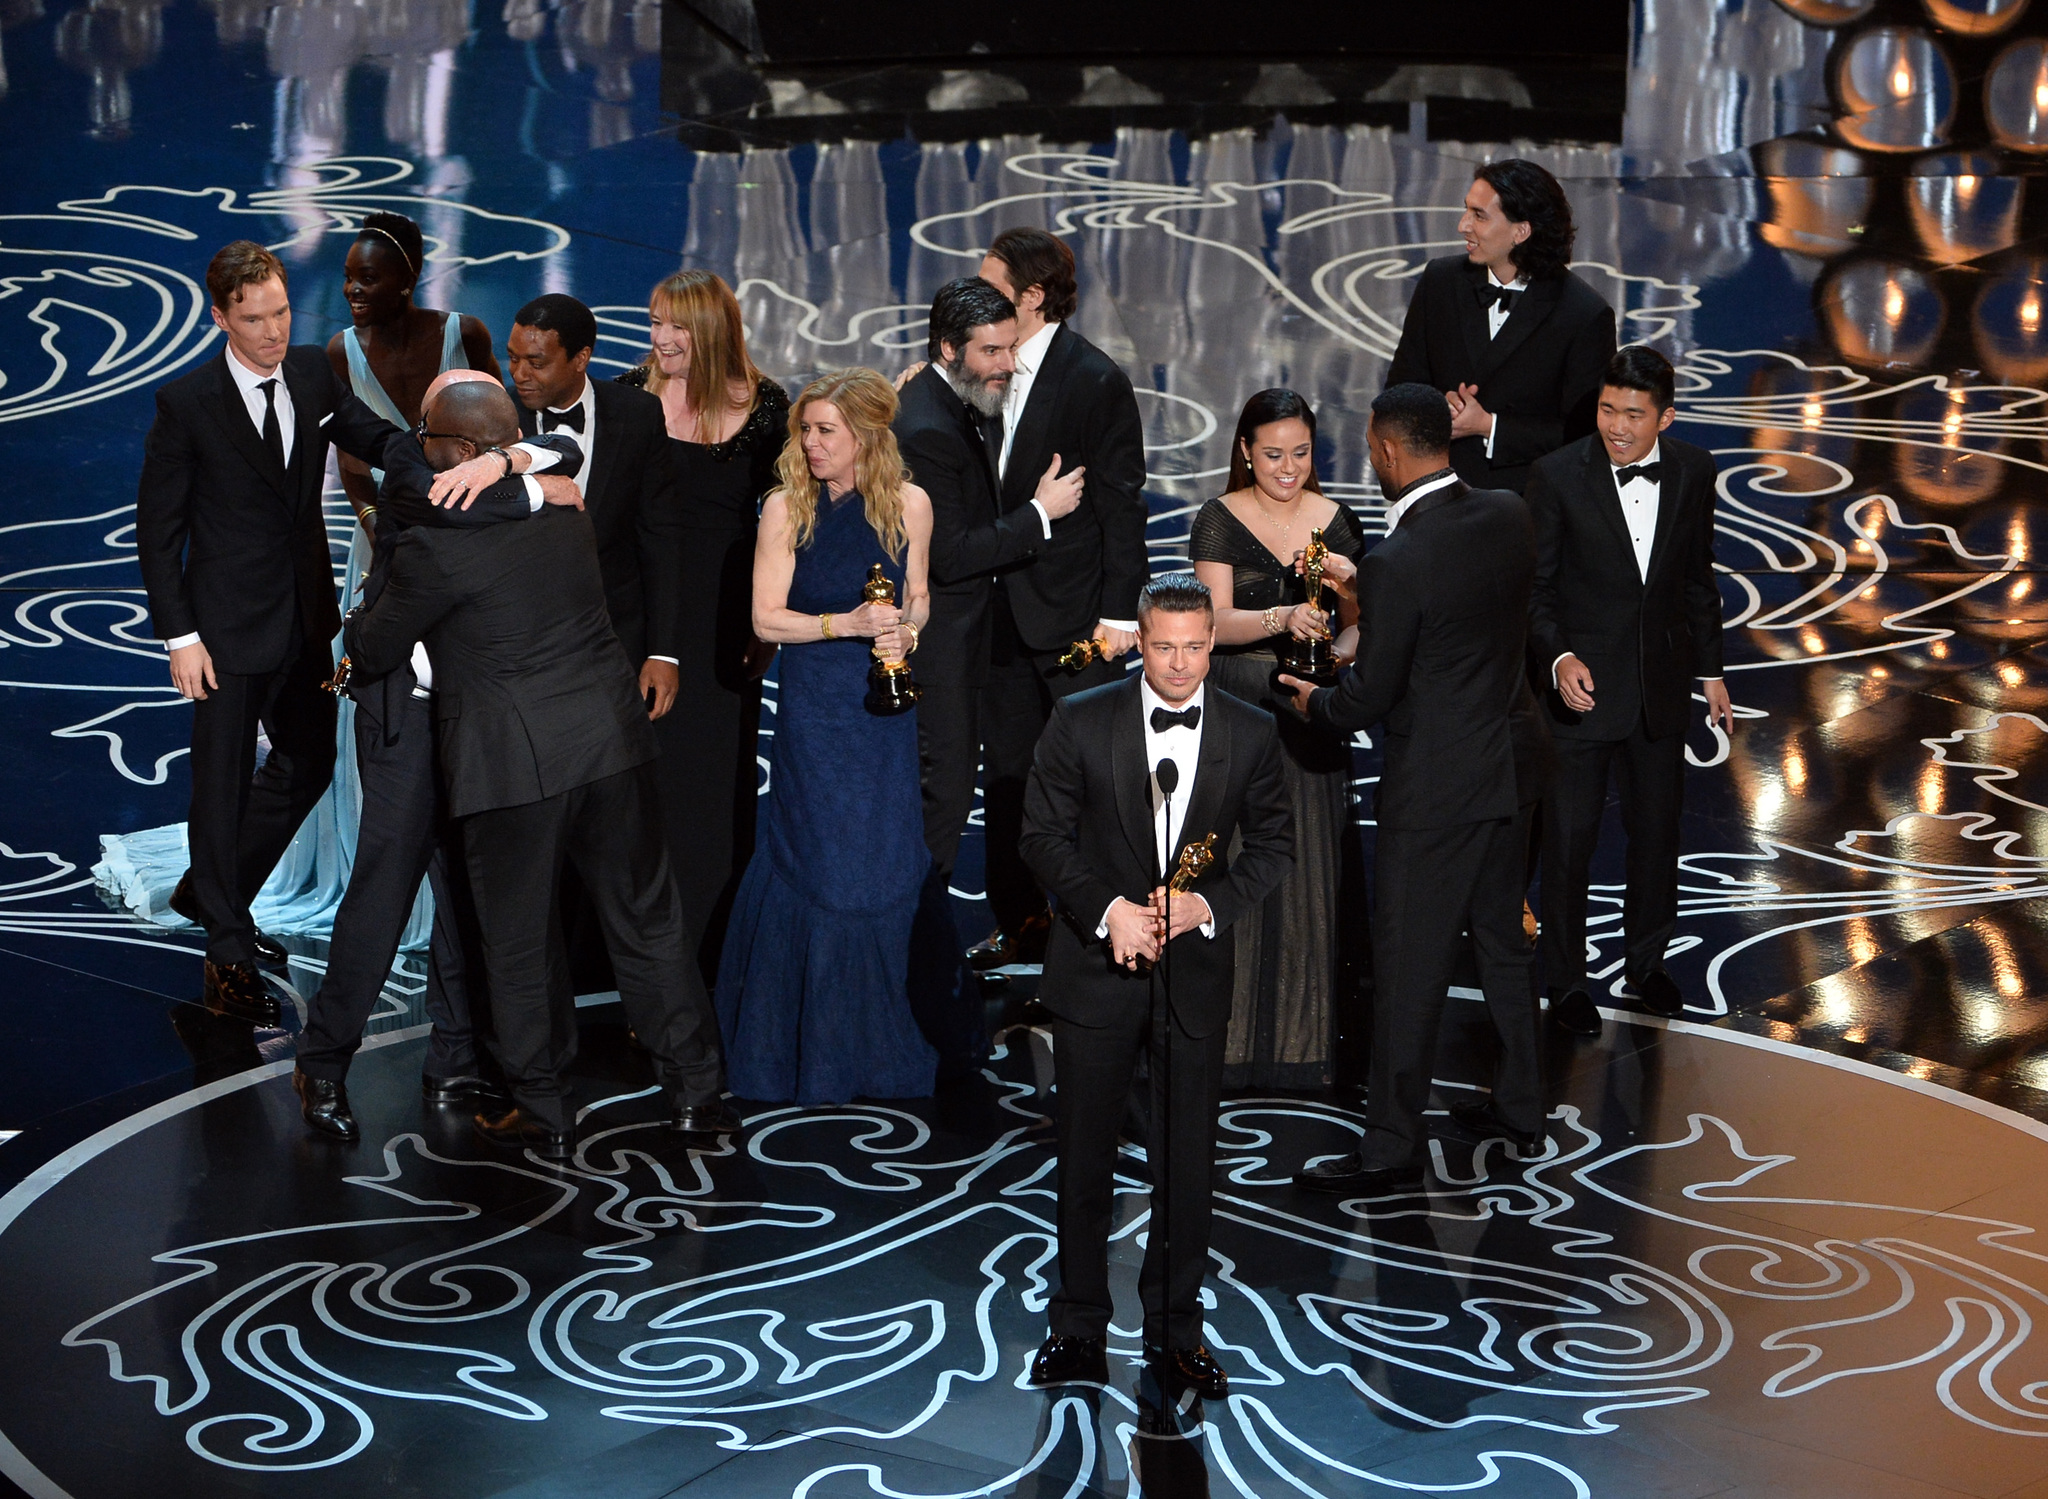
<point x="1248" y="547"/>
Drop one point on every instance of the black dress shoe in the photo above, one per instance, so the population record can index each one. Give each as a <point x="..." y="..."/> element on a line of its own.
<point x="713" y="1118"/>
<point x="1478" y="1117"/>
<point x="465" y="1089"/>
<point x="1575" y="1011"/>
<point x="1071" y="1361"/>
<point x="1347" y="1176"/>
<point x="324" y="1105"/>
<point x="999" y="948"/>
<point x="521" y="1132"/>
<point x="269" y="951"/>
<point x="1189" y="1369"/>
<point x="237" y="990"/>
<point x="1657" y="994"/>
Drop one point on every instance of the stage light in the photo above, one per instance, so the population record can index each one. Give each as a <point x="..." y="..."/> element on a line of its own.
<point x="1894" y="89"/>
<point x="1974" y="17"/>
<point x="2008" y="322"/>
<point x="2016" y="96"/>
<point x="1961" y="207"/>
<point x="1883" y="312"/>
<point x="1895" y="303"/>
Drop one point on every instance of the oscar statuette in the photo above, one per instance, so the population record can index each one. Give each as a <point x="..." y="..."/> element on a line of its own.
<point x="1195" y="859"/>
<point x="1311" y="661"/>
<point x="1083" y="654"/>
<point x="890" y="687"/>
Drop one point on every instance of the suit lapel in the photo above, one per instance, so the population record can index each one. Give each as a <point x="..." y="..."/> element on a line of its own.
<point x="1436" y="499"/>
<point x="1671" y="497"/>
<point x="306" y="418"/>
<point x="597" y="455"/>
<point x="1029" y="448"/>
<point x="1129" y="775"/>
<point x="1212" y="776"/>
<point x="1606" y="499"/>
<point x="1529" y="311"/>
<point x="1472" y="314"/>
<point x="233" y="416"/>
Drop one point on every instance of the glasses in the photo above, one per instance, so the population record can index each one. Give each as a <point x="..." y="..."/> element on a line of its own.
<point x="420" y="432"/>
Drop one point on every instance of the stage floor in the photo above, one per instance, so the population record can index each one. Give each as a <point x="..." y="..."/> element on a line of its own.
<point x="1786" y="1247"/>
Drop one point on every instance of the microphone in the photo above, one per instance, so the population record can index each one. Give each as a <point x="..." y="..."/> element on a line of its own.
<point x="1168" y="775"/>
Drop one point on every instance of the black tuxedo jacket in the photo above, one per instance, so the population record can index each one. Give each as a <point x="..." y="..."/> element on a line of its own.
<point x="1443" y="611"/>
<point x="1644" y="641"/>
<point x="1081" y="408"/>
<point x="232" y="544"/>
<point x="630" y="497"/>
<point x="1088" y="837"/>
<point x="1540" y="377"/>
<point x="972" y="540"/>
<point x="533" y="694"/>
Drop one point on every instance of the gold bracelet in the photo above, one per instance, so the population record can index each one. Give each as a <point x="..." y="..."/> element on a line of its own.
<point x="915" y="632"/>
<point x="825" y="624"/>
<point x="1270" y="621"/>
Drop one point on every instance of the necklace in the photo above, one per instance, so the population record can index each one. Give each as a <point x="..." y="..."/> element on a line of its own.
<point x="1267" y="516"/>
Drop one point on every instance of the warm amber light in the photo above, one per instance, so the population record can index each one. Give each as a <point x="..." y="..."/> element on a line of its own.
<point x="2030" y="312"/>
<point x="1810" y="413"/>
<point x="1965" y="185"/>
<point x="1902" y="79"/>
<point x="1895" y="302"/>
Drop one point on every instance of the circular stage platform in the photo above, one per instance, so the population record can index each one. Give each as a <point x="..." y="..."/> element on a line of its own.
<point x="1744" y="1268"/>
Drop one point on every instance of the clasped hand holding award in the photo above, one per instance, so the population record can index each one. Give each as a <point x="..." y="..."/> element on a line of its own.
<point x="1311" y="661"/>
<point x="891" y="688"/>
<point x="1194" y="862"/>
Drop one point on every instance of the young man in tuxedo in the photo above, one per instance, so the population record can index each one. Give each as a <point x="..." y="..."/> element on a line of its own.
<point x="1625" y="616"/>
<point x="1127" y="776"/>
<point x="404" y="833"/>
<point x="947" y="428"/>
<point x="1443" y="612"/>
<point x="548" y="757"/>
<point x="1507" y="331"/>
<point x="234" y="556"/>
<point x="1069" y="403"/>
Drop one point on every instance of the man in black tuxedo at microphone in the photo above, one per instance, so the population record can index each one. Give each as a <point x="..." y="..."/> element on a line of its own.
<point x="1625" y="616"/>
<point x="1126" y="778"/>
<point x="1443" y="610"/>
<point x="947" y="427"/>
<point x="1512" y="336"/>
<point x="234" y="555"/>
<point x="1068" y="404"/>
<point x="548" y="757"/>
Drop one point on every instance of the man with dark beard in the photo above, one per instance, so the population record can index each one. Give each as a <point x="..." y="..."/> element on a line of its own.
<point x="946" y="429"/>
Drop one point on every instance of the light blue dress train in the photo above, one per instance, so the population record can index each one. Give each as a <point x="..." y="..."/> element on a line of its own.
<point x="300" y="897"/>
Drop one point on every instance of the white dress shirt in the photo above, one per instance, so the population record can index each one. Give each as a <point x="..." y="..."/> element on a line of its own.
<point x="1407" y="501"/>
<point x="1183" y="746"/>
<point x="1496" y="319"/>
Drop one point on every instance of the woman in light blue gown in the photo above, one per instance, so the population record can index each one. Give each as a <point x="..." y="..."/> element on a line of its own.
<point x="390" y="354"/>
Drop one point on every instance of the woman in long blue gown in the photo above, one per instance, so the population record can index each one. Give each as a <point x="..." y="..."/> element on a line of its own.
<point x="813" y="985"/>
<point x="390" y="353"/>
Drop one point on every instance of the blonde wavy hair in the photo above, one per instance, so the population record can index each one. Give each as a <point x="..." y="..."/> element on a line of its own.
<point x="868" y="403"/>
<point x="702" y="305"/>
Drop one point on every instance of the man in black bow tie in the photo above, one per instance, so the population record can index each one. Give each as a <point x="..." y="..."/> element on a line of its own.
<point x="1507" y="331"/>
<point x="1626" y="615"/>
<point x="1442" y="622"/>
<point x="1126" y="777"/>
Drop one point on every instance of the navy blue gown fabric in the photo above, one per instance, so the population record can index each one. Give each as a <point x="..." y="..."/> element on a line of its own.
<point x="813" y="984"/>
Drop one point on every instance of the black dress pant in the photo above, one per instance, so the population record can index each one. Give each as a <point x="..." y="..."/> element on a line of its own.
<point x="949" y="759"/>
<point x="1093" y="1069"/>
<point x="242" y="819"/>
<point x="401" y="839"/>
<point x="610" y="832"/>
<point x="1433" y="885"/>
<point x="1649" y="777"/>
<point x="1016" y="702"/>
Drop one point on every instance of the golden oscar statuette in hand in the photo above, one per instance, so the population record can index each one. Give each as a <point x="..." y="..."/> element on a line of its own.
<point x="890" y="688"/>
<point x="1194" y="862"/>
<point x="1311" y="661"/>
<point x="1084" y="653"/>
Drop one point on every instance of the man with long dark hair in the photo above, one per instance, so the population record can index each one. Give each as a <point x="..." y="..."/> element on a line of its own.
<point x="1507" y="331"/>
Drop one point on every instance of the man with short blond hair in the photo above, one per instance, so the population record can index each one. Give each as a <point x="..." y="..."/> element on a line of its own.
<point x="235" y="558"/>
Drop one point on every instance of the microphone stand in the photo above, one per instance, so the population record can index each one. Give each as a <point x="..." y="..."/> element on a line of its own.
<point x="1168" y="775"/>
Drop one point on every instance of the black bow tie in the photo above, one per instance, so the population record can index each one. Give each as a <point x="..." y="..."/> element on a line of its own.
<point x="1500" y="296"/>
<point x="1188" y="718"/>
<point x="1651" y="471"/>
<point x="572" y="419"/>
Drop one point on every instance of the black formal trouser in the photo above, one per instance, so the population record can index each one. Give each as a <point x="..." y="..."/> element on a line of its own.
<point x="1093" y="1068"/>
<point x="1650" y="780"/>
<point x="1432" y="885"/>
<point x="949" y="756"/>
<point x="242" y="819"/>
<point x="610" y="831"/>
<point x="401" y="839"/>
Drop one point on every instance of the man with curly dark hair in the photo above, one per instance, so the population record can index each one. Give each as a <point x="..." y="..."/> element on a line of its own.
<point x="1507" y="331"/>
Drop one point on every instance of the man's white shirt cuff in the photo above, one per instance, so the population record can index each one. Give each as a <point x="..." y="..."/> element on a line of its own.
<point x="669" y="659"/>
<point x="1128" y="626"/>
<point x="1043" y="519"/>
<point x="1553" y="669"/>
<point x="180" y="642"/>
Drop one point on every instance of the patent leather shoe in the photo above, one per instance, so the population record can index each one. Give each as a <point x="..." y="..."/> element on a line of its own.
<point x="713" y="1118"/>
<point x="1659" y="995"/>
<point x="237" y="990"/>
<point x="461" y="1090"/>
<point x="1575" y="1011"/>
<point x="1477" y="1117"/>
<point x="999" y="949"/>
<point x="1063" y="1360"/>
<point x="324" y="1106"/>
<point x="1349" y="1177"/>
<point x="269" y="951"/>
<point x="522" y="1132"/>
<point x="1189" y="1369"/>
